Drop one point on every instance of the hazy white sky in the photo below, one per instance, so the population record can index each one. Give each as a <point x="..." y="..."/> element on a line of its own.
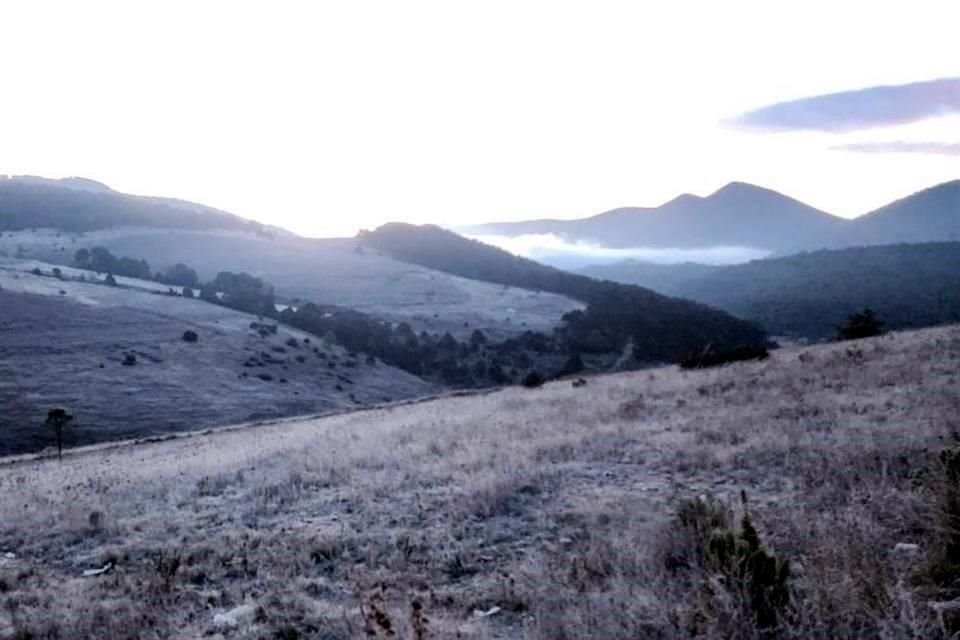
<point x="324" y="117"/>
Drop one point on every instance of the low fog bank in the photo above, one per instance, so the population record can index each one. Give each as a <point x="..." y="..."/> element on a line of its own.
<point x="556" y="251"/>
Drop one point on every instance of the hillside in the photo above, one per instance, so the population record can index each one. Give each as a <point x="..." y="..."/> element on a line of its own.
<point x="64" y="342"/>
<point x="658" y="328"/>
<point x="739" y="214"/>
<point x="667" y="279"/>
<point x="540" y="514"/>
<point x="326" y="271"/>
<point x="77" y="204"/>
<point x="931" y="215"/>
<point x="810" y="294"/>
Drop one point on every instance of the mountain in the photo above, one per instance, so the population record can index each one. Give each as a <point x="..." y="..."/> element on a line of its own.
<point x="659" y="328"/>
<point x="744" y="215"/>
<point x="79" y="204"/>
<point x="809" y="294"/>
<point x="931" y="215"/>
<point x="739" y="214"/>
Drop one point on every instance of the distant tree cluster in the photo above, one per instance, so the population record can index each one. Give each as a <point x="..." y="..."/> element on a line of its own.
<point x="442" y="358"/>
<point x="102" y="261"/>
<point x="241" y="291"/>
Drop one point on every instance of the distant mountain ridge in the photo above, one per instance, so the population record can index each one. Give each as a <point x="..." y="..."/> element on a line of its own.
<point x="80" y="204"/>
<point x="745" y="215"/>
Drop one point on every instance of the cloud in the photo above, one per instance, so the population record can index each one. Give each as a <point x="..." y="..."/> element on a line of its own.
<point x="556" y="251"/>
<point x="900" y="146"/>
<point x="861" y="109"/>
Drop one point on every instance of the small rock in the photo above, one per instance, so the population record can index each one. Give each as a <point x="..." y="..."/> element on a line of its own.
<point x="9" y="555"/>
<point x="906" y="549"/>
<point x="244" y="614"/>
<point x="492" y="611"/>
<point x="90" y="573"/>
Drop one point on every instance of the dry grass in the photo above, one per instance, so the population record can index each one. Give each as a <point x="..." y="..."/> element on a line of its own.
<point x="555" y="505"/>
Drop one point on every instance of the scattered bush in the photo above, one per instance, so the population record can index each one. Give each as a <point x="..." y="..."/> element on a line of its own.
<point x="865" y="324"/>
<point x="713" y="358"/>
<point x="533" y="380"/>
<point x="190" y="336"/>
<point x="129" y="360"/>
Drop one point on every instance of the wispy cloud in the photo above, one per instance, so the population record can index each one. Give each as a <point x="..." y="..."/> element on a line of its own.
<point x="861" y="109"/>
<point x="901" y="146"/>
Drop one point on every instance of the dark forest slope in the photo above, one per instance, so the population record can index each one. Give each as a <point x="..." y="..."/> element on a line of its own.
<point x="661" y="328"/>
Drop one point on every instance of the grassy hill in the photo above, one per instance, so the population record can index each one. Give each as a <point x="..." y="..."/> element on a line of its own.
<point x="64" y="342"/>
<point x="539" y="514"/>
<point x="658" y="327"/>
<point x="327" y="271"/>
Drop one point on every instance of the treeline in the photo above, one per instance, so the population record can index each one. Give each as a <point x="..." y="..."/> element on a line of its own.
<point x="102" y="260"/>
<point x="240" y="291"/>
<point x="475" y="362"/>
<point x="660" y="328"/>
<point x="28" y="206"/>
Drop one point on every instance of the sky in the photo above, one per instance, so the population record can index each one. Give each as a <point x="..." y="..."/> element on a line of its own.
<point x="327" y="117"/>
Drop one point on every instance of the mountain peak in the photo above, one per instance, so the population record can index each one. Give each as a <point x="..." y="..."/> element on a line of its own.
<point x="740" y="189"/>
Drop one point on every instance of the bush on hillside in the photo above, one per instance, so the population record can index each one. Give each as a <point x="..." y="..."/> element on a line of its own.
<point x="710" y="357"/>
<point x="865" y="324"/>
<point x="190" y="336"/>
<point x="533" y="380"/>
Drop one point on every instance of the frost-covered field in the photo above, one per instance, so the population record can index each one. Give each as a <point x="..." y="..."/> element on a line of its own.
<point x="537" y="514"/>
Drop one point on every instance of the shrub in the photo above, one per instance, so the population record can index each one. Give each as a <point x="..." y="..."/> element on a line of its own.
<point x="187" y="292"/>
<point x="190" y="336"/>
<point x="533" y="380"/>
<point x="943" y="563"/>
<point x="110" y="280"/>
<point x="865" y="324"/>
<point x="704" y="542"/>
<point x="713" y="358"/>
<point x="129" y="360"/>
